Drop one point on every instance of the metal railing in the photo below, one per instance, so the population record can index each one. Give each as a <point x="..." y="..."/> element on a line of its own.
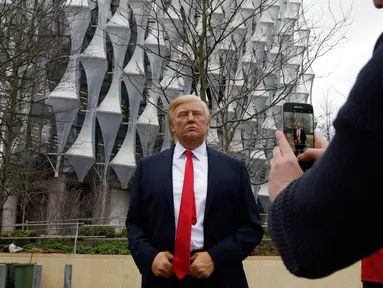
<point x="75" y="224"/>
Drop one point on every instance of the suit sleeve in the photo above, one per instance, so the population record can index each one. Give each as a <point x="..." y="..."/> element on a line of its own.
<point x="236" y="247"/>
<point x="142" y="251"/>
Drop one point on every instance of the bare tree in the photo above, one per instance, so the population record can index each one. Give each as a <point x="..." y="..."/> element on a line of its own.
<point x="33" y="34"/>
<point x="243" y="60"/>
<point x="326" y="118"/>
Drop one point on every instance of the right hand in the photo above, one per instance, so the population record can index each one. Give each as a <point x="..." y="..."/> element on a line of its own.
<point x="285" y="167"/>
<point x="161" y="266"/>
<point x="312" y="154"/>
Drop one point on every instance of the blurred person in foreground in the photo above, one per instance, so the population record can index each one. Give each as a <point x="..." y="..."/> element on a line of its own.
<point x="192" y="217"/>
<point x="318" y="220"/>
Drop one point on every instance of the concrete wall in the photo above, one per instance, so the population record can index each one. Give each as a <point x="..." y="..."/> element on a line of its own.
<point x="104" y="271"/>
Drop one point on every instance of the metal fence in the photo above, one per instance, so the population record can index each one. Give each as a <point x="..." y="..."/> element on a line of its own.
<point x="51" y="230"/>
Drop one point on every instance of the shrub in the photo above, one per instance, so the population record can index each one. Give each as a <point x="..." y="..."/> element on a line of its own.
<point x="86" y="231"/>
<point x="18" y="233"/>
<point x="107" y="231"/>
<point x="123" y="234"/>
<point x="266" y="248"/>
<point x="266" y="232"/>
<point x="116" y="247"/>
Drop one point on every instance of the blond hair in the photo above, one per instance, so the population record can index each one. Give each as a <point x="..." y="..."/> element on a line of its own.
<point x="183" y="100"/>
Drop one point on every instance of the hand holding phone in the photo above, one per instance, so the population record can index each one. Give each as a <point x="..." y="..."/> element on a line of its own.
<point x="298" y="127"/>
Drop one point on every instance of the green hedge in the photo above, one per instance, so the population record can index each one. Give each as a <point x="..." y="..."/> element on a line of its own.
<point x="107" y="231"/>
<point x="112" y="247"/>
<point x="107" y="247"/>
<point x="18" y="233"/>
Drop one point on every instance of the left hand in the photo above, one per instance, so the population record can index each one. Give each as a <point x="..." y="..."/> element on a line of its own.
<point x="201" y="265"/>
<point x="285" y="167"/>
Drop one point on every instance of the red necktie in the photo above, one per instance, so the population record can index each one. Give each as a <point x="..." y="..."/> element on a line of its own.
<point x="187" y="217"/>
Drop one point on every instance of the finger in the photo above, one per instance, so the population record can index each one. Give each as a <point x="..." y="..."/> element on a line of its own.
<point x="308" y="155"/>
<point x="168" y="274"/>
<point x="320" y="141"/>
<point x="169" y="255"/>
<point x="284" y="145"/>
<point x="167" y="265"/>
<point x="311" y="154"/>
<point x="165" y="273"/>
<point x="277" y="155"/>
<point x="200" y="275"/>
<point x="193" y="271"/>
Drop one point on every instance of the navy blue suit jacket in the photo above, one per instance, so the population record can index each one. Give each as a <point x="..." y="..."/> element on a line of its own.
<point x="303" y="135"/>
<point x="232" y="227"/>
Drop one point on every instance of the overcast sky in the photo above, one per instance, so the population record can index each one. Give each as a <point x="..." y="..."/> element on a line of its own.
<point x="337" y="70"/>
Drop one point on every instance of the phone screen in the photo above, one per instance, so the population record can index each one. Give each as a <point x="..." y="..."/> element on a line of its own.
<point x="298" y="128"/>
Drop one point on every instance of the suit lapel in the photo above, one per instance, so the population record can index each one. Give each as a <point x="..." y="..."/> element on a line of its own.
<point x="168" y="178"/>
<point x="213" y="175"/>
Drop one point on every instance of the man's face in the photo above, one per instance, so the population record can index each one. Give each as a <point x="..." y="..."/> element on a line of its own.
<point x="298" y="125"/>
<point x="189" y="122"/>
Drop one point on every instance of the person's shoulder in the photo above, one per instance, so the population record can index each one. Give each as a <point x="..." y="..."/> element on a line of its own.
<point x="155" y="157"/>
<point x="379" y="44"/>
<point x="228" y="158"/>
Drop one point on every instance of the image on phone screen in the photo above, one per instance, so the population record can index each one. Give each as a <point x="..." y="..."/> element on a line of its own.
<point x="298" y="128"/>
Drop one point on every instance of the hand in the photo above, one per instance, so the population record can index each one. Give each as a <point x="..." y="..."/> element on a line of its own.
<point x="161" y="265"/>
<point x="312" y="154"/>
<point x="201" y="265"/>
<point x="285" y="167"/>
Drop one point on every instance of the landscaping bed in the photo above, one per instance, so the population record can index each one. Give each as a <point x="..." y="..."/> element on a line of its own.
<point x="116" y="243"/>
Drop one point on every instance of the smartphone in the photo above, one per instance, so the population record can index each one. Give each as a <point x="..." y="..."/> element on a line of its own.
<point x="298" y="127"/>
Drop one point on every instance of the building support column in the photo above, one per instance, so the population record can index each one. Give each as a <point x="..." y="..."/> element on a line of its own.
<point x="9" y="213"/>
<point x="56" y="204"/>
<point x="119" y="208"/>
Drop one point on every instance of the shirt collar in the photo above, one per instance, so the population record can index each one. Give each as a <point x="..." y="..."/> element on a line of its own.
<point x="199" y="152"/>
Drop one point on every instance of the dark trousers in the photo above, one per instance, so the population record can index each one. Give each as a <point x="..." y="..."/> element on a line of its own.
<point x="372" y="285"/>
<point x="189" y="282"/>
<point x="174" y="282"/>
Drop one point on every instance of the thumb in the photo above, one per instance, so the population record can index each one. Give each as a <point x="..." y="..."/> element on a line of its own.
<point x="169" y="255"/>
<point x="311" y="154"/>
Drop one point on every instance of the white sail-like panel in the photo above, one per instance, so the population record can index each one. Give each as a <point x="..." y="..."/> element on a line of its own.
<point x="109" y="114"/>
<point x="65" y="99"/>
<point x="124" y="163"/>
<point x="82" y="153"/>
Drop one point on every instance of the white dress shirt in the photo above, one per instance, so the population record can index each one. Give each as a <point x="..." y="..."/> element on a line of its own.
<point x="200" y="188"/>
<point x="299" y="134"/>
